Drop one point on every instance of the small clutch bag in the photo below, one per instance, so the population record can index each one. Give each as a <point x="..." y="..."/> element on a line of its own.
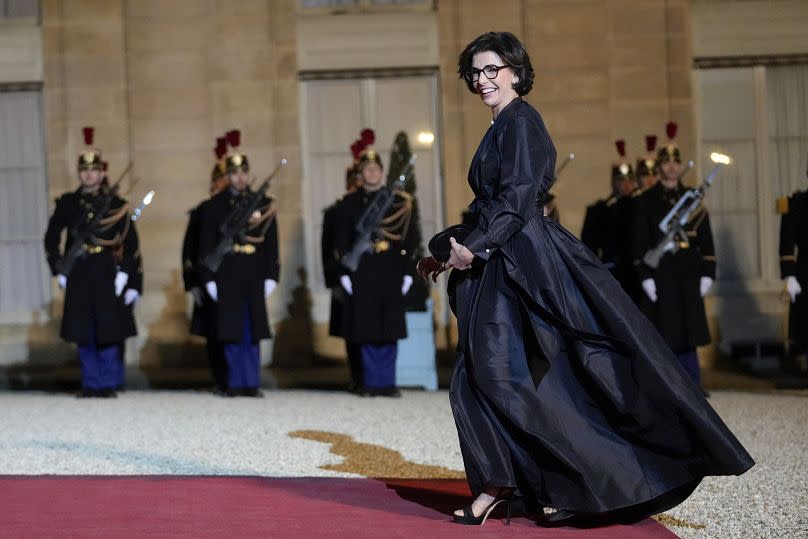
<point x="440" y="247"/>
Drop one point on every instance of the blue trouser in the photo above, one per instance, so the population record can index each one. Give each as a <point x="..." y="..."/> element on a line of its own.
<point x="218" y="364"/>
<point x="243" y="358"/>
<point x="101" y="366"/>
<point x="379" y="365"/>
<point x="689" y="360"/>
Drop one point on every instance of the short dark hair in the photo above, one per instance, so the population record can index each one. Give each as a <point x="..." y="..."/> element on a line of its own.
<point x="509" y="48"/>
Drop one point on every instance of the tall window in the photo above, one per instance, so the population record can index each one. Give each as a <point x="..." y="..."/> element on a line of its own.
<point x="14" y="9"/>
<point x="24" y="283"/>
<point x="759" y="116"/>
<point x="787" y="98"/>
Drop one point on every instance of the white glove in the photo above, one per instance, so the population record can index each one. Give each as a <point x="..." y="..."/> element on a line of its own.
<point x="345" y="281"/>
<point x="121" y="279"/>
<point x="213" y="291"/>
<point x="650" y="289"/>
<point x="405" y="286"/>
<point x="705" y="285"/>
<point x="793" y="287"/>
<point x="269" y="287"/>
<point x="130" y="296"/>
<point x="196" y="293"/>
<point x="61" y="280"/>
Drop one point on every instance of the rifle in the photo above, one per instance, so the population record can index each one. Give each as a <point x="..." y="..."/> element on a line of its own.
<point x="563" y="165"/>
<point x="237" y="222"/>
<point x="145" y="202"/>
<point x="83" y="232"/>
<point x="372" y="217"/>
<point x="673" y="224"/>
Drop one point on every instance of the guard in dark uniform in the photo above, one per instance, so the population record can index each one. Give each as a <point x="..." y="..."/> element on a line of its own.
<point x="247" y="276"/>
<point x="674" y="291"/>
<point x="647" y="169"/>
<point x="374" y="313"/>
<point x="331" y="273"/>
<point x="104" y="281"/>
<point x="607" y="225"/>
<point x="794" y="266"/>
<point x="203" y="319"/>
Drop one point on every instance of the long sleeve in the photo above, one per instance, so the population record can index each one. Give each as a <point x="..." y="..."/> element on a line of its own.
<point x="53" y="235"/>
<point x="343" y="236"/>
<point x="190" y="251"/>
<point x="590" y="231"/>
<point x="327" y="247"/>
<point x="208" y="237"/>
<point x="704" y="235"/>
<point x="270" y="251"/>
<point x="132" y="260"/>
<point x="640" y="238"/>
<point x="525" y="155"/>
<point x="788" y="243"/>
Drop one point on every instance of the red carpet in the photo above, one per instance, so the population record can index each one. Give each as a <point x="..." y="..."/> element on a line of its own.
<point x="241" y="507"/>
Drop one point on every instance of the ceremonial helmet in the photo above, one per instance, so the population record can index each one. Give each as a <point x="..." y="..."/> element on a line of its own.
<point x="368" y="153"/>
<point x="647" y="164"/>
<point x="220" y="150"/>
<point x="621" y="169"/>
<point x="670" y="151"/>
<point x="90" y="158"/>
<point x="235" y="160"/>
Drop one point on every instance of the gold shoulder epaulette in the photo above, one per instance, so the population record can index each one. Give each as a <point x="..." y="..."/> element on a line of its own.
<point x="782" y="205"/>
<point x="611" y="201"/>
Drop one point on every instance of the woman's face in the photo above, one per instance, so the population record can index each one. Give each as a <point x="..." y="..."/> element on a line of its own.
<point x="496" y="92"/>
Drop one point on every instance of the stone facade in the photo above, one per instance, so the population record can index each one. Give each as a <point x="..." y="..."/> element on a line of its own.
<point x="160" y="80"/>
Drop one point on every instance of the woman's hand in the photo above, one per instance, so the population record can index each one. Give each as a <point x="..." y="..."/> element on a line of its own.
<point x="460" y="258"/>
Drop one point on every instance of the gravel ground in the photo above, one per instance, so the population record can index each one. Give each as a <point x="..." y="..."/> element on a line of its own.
<point x="195" y="433"/>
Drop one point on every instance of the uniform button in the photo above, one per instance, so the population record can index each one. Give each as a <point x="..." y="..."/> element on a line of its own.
<point x="403" y="252"/>
<point x="488" y="250"/>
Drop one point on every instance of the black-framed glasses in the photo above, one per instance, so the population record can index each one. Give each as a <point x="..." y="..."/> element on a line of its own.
<point x="491" y="71"/>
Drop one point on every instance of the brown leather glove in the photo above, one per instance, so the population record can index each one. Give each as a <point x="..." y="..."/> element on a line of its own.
<point x="430" y="267"/>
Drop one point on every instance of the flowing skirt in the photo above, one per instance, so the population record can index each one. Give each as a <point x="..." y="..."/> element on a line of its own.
<point x="564" y="391"/>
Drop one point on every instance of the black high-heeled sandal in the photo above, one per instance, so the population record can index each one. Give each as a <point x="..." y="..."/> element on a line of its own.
<point x="469" y="519"/>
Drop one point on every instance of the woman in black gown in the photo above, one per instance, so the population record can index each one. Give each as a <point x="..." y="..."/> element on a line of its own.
<point x="564" y="395"/>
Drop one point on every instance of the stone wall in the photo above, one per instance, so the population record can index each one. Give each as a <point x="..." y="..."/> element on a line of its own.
<point x="605" y="69"/>
<point x="159" y="81"/>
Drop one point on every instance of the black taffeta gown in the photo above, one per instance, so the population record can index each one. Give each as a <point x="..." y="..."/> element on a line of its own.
<point x="562" y="389"/>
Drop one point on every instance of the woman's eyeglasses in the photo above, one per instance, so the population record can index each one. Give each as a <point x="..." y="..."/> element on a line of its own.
<point x="491" y="71"/>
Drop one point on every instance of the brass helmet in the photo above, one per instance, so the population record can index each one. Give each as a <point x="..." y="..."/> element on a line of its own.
<point x="621" y="169"/>
<point x="219" y="168"/>
<point x="670" y="151"/>
<point x="647" y="164"/>
<point x="90" y="158"/>
<point x="235" y="159"/>
<point x="368" y="153"/>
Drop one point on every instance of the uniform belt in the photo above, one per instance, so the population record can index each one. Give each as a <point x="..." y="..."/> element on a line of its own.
<point x="380" y="246"/>
<point x="93" y="249"/>
<point x="244" y="249"/>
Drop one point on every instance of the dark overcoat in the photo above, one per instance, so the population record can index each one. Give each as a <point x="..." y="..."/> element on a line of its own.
<point x="794" y="262"/>
<point x="240" y="278"/>
<point x="90" y="294"/>
<point x="375" y="312"/>
<point x="678" y="313"/>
